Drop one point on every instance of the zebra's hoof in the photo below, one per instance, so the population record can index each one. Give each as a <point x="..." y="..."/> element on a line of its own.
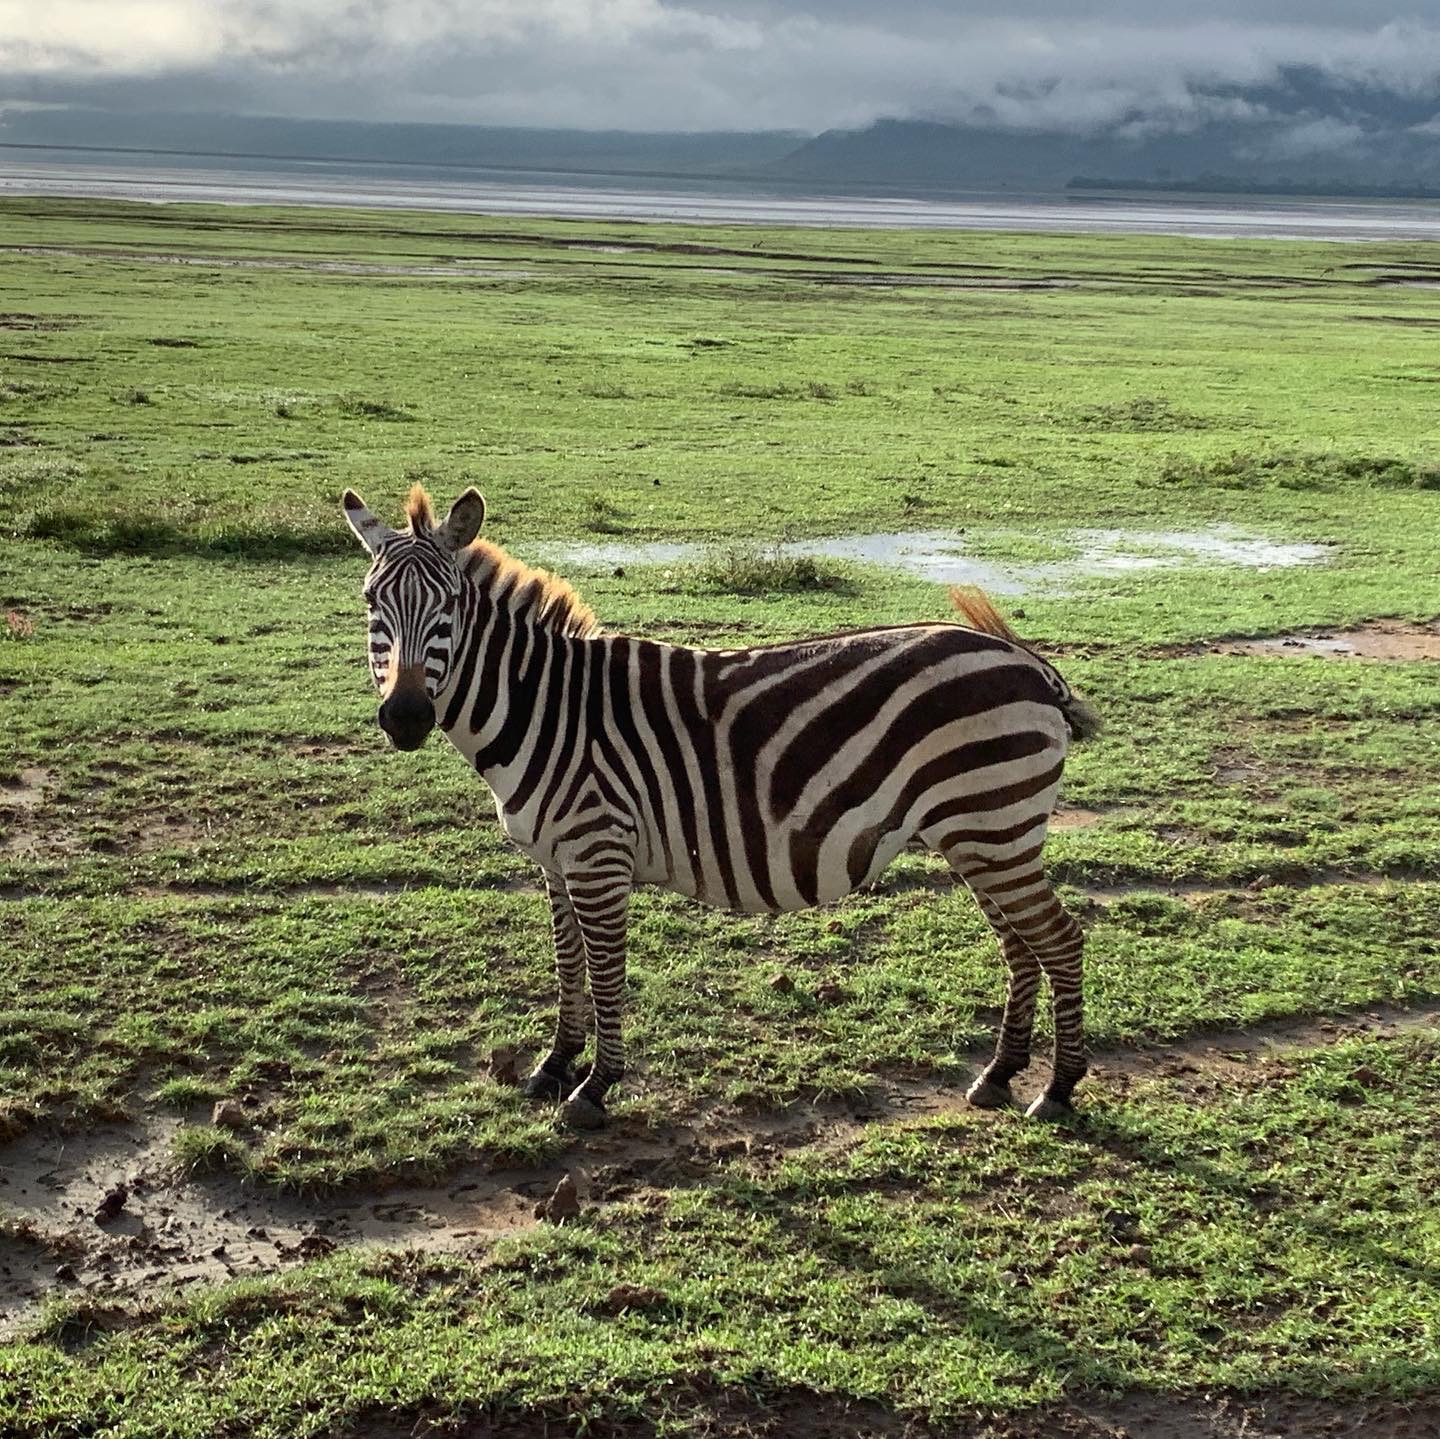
<point x="582" y="1113"/>
<point x="544" y="1085"/>
<point x="1052" y="1111"/>
<point x="985" y="1094"/>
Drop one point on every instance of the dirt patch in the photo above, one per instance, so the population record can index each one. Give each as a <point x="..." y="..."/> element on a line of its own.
<point x="1422" y="322"/>
<point x="1376" y="640"/>
<point x="21" y="797"/>
<point x="899" y="279"/>
<point x="19" y="320"/>
<point x="329" y="750"/>
<point x="1162" y="1417"/>
<point x="180" y="1233"/>
<point x="1068" y="817"/>
<point x="709" y="1411"/>
<point x="243" y="262"/>
<point x="27" y="789"/>
<point x="1254" y="1051"/>
<point x="1197" y="891"/>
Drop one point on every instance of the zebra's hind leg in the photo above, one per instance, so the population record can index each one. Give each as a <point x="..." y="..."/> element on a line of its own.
<point x="1031" y="911"/>
<point x="552" y="1078"/>
<point x="1012" y="1048"/>
<point x="600" y="897"/>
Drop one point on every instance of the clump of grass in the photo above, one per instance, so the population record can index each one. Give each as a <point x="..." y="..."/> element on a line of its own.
<point x="1140" y="415"/>
<point x="198" y="1149"/>
<point x="746" y="390"/>
<point x="606" y="392"/>
<point x="186" y="1090"/>
<point x="357" y="407"/>
<point x="768" y="570"/>
<point x="1288" y="470"/>
<point x="70" y="1322"/>
<point x="171" y="342"/>
<point x="603" y="516"/>
<point x="25" y="390"/>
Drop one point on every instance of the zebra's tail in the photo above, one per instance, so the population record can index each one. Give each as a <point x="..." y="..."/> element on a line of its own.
<point x="974" y="605"/>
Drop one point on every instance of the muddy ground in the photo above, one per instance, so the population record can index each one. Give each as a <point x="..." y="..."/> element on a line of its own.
<point x="105" y="1212"/>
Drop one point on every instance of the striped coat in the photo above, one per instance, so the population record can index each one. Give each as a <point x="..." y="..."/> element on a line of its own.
<point x="763" y="779"/>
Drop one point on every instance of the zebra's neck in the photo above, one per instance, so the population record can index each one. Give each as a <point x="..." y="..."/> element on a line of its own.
<point x="520" y="658"/>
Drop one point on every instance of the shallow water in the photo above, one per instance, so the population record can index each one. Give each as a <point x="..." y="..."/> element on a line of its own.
<point x="478" y="190"/>
<point x="940" y="555"/>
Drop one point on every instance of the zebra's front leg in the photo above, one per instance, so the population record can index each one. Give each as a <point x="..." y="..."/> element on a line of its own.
<point x="551" y="1078"/>
<point x="600" y="898"/>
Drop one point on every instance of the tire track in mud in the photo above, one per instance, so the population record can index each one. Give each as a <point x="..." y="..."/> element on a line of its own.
<point x="180" y="1231"/>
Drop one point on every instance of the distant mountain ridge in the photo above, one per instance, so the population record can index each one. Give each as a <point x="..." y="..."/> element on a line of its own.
<point x="1306" y="129"/>
<point x="358" y="142"/>
<point x="1305" y="132"/>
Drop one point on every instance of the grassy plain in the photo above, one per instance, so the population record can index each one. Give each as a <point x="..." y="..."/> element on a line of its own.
<point x="217" y="883"/>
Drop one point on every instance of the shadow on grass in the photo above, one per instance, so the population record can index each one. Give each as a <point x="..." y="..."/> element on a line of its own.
<point x="1133" y="1145"/>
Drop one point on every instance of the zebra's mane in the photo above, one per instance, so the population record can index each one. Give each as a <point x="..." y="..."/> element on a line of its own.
<point x="545" y="599"/>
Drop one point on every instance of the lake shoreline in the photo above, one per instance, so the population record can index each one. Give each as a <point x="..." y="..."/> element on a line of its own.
<point x="158" y="178"/>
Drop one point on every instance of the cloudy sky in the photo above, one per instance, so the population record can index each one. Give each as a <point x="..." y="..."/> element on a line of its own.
<point x="803" y="65"/>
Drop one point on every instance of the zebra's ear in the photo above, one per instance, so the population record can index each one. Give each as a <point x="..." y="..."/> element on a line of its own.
<point x="463" y="522"/>
<point x="371" y="533"/>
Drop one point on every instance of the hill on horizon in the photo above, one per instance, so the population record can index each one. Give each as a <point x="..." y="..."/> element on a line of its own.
<point x="1306" y="131"/>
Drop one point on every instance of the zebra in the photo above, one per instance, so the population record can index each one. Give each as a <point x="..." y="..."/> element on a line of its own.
<point x="764" y="779"/>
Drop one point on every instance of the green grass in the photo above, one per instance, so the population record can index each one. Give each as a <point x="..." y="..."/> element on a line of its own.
<point x="1274" y="1233"/>
<point x="216" y="880"/>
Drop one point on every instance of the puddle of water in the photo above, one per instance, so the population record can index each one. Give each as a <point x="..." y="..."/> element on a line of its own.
<point x="940" y="555"/>
<point x="1166" y="549"/>
<point x="1370" y="642"/>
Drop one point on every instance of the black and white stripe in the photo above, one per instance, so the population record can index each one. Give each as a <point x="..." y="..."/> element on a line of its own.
<point x="761" y="779"/>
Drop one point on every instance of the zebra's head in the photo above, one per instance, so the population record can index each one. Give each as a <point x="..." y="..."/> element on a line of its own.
<point x="411" y="594"/>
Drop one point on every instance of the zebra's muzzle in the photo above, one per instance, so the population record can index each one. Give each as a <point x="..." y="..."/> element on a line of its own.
<point x="407" y="717"/>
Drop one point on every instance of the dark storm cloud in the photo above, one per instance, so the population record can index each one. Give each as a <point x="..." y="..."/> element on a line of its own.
<point x="729" y="64"/>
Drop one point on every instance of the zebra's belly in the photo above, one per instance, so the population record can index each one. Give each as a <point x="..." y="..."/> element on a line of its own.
<point x="778" y="889"/>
